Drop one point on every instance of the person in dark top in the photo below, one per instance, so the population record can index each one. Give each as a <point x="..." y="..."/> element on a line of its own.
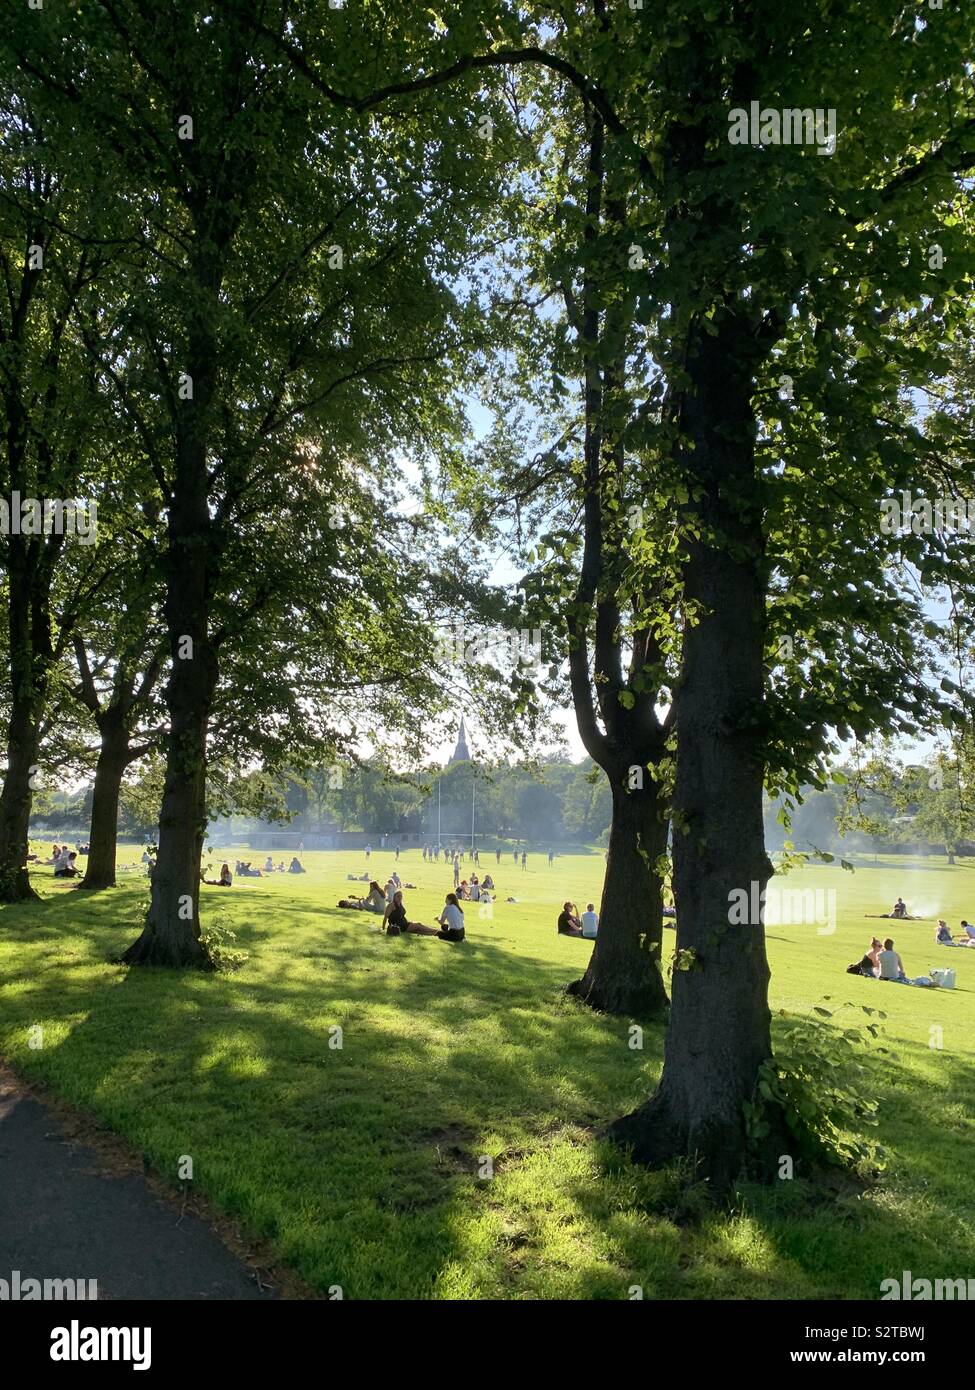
<point x="296" y="866"/>
<point x="569" y="923"/>
<point x="396" y="922"/>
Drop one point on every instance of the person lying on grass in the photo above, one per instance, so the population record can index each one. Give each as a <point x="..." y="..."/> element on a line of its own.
<point x="569" y="923"/>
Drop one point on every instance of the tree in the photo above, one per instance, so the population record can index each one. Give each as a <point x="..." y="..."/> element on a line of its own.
<point x="49" y="404"/>
<point x="250" y="358"/>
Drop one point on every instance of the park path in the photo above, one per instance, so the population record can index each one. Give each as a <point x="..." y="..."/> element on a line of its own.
<point x="71" y="1208"/>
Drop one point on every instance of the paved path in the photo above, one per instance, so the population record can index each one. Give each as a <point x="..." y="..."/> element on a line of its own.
<point x="69" y="1211"/>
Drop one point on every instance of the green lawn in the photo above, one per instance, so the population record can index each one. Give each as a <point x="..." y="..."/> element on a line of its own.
<point x="362" y="1164"/>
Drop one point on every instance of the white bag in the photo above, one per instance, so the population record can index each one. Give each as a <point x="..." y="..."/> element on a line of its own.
<point x="944" y="977"/>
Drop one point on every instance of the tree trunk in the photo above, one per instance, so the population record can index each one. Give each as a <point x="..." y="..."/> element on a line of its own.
<point x="719" y="1033"/>
<point x="171" y="935"/>
<point x="15" y="801"/>
<point x="29" y="666"/>
<point x="624" y="975"/>
<point x="113" y="758"/>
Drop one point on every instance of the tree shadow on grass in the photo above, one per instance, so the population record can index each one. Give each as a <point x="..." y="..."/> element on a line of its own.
<point x="358" y="1153"/>
<point x="826" y="1234"/>
<point x="362" y="1162"/>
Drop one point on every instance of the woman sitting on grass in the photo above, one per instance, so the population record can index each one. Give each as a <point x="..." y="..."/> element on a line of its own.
<point x="942" y="936"/>
<point x="869" y="965"/>
<point x="395" y="921"/>
<point x="451" y="920"/>
<point x="569" y="923"/>
<point x="225" y="880"/>
<point x="296" y="866"/>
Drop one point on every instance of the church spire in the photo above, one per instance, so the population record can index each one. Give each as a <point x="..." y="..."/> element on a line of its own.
<point x="460" y="753"/>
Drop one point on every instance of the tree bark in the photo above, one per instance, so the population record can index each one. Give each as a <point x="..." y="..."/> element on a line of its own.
<point x="171" y="936"/>
<point x="719" y="1033"/>
<point x="113" y="759"/>
<point x="624" y="973"/>
<point x="30" y="657"/>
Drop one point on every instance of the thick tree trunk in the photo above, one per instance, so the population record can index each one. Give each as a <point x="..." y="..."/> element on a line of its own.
<point x="113" y="758"/>
<point x="29" y="665"/>
<point x="171" y="935"/>
<point x="624" y="973"/>
<point x="719" y="1033"/>
<point x="15" y="802"/>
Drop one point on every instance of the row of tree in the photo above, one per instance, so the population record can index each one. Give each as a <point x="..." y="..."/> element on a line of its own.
<point x="277" y="248"/>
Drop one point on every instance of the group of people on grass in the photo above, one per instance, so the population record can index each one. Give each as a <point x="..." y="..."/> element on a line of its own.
<point x="943" y="937"/>
<point x="244" y="870"/>
<point x="65" y="860"/>
<point x="881" y="961"/>
<point x="392" y="905"/>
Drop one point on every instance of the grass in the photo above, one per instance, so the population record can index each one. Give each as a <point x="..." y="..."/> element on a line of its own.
<point x="448" y="1148"/>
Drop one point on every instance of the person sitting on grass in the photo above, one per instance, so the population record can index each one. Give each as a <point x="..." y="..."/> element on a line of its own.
<point x="488" y="882"/>
<point x="590" y="922"/>
<point x="225" y="880"/>
<point x="463" y="891"/>
<point x="66" y="867"/>
<point x="968" y="934"/>
<point x="891" y="965"/>
<point x="269" y="865"/>
<point x="451" y="920"/>
<point x="869" y="963"/>
<point x="296" y="866"/>
<point x="375" y="899"/>
<point x="396" y="922"/>
<point x="899" y="910"/>
<point x="569" y="924"/>
<point x="942" y="936"/>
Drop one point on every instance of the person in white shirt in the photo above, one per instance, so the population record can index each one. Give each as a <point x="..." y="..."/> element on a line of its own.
<point x="590" y="922"/>
<point x="891" y="965"/>
<point x="451" y="920"/>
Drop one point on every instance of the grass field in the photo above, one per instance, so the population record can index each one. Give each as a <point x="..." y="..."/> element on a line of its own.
<point x="364" y="1164"/>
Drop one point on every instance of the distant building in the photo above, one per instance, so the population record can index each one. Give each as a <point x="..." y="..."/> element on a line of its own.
<point x="461" y="753"/>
